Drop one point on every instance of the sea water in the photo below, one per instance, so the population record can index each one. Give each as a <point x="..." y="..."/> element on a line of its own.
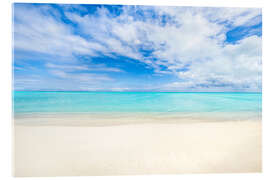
<point x="134" y="102"/>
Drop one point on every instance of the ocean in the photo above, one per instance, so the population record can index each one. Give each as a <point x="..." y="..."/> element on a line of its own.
<point x="84" y="102"/>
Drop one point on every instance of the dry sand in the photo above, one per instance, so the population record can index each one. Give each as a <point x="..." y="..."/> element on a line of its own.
<point x="130" y="149"/>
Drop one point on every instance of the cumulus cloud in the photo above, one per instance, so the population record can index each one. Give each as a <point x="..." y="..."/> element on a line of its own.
<point x="37" y="30"/>
<point x="237" y="66"/>
<point x="188" y="43"/>
<point x="193" y="48"/>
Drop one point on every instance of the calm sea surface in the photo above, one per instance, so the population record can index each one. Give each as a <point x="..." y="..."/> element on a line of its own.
<point x="76" y="102"/>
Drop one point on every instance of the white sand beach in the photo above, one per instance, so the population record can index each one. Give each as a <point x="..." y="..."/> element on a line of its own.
<point x="143" y="148"/>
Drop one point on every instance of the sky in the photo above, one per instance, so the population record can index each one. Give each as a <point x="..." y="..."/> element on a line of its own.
<point x="136" y="48"/>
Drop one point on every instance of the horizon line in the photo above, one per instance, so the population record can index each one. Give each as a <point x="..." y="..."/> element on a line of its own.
<point x="144" y="91"/>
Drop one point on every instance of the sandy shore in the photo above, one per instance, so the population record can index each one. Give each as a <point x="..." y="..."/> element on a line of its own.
<point x="146" y="148"/>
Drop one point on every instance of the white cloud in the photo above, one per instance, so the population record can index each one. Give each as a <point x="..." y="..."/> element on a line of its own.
<point x="35" y="31"/>
<point x="89" y="78"/>
<point x="190" y="45"/>
<point x="71" y="67"/>
<point x="119" y="89"/>
<point x="238" y="64"/>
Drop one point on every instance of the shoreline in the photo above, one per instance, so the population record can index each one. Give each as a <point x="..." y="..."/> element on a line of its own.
<point x="123" y="118"/>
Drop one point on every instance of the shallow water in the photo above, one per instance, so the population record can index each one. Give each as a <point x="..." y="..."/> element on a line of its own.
<point x="145" y="102"/>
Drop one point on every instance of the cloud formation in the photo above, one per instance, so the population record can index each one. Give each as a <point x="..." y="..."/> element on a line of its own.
<point x="190" y="44"/>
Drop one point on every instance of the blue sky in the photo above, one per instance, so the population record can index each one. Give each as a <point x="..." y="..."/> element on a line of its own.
<point x="136" y="48"/>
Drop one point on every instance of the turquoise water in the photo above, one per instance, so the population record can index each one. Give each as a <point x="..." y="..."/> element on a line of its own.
<point x="54" y="102"/>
